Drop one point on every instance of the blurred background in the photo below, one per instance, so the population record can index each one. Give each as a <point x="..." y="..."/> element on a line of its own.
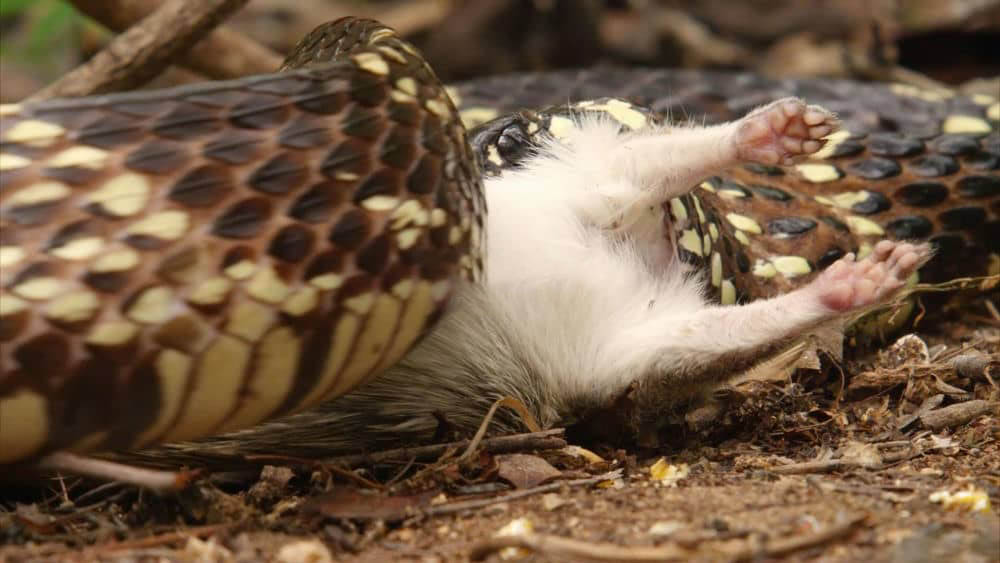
<point x="921" y="42"/>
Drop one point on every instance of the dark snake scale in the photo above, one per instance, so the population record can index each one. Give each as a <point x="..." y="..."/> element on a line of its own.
<point x="190" y="261"/>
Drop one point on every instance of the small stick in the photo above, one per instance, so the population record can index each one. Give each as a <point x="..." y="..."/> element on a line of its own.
<point x="153" y="479"/>
<point x="784" y="546"/>
<point x="957" y="414"/>
<point x="480" y="503"/>
<point x="545" y="440"/>
<point x="224" y="53"/>
<point x="139" y="54"/>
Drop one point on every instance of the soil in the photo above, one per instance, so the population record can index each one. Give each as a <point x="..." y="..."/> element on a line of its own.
<point x="781" y="471"/>
<point x="893" y="455"/>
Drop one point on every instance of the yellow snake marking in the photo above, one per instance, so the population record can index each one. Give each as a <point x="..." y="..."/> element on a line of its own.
<point x="742" y="237"/>
<point x="210" y="292"/>
<point x="217" y="381"/>
<point x="82" y="156"/>
<point x="371" y="62"/>
<point x="371" y="343"/>
<point x="249" y="320"/>
<point x="122" y="196"/>
<point x="24" y="424"/>
<point x="327" y="281"/>
<point x="832" y="140"/>
<point x="560" y="127"/>
<point x="153" y="305"/>
<point x="862" y="226"/>
<point x="993" y="112"/>
<point x="818" y="173"/>
<point x="165" y="225"/>
<point x="266" y="286"/>
<point x="340" y="347"/>
<point x="678" y="210"/>
<point x="707" y="186"/>
<point x="276" y="359"/>
<point x="112" y="333"/>
<point x="864" y="249"/>
<point x="73" y="307"/>
<point x="622" y="112"/>
<point x="42" y="192"/>
<point x="392" y="54"/>
<point x="403" y="289"/>
<point x="763" y="269"/>
<point x="380" y="203"/>
<point x="744" y="223"/>
<point x="438" y="108"/>
<point x="302" y="301"/>
<point x="240" y="270"/>
<point x="716" y="269"/>
<point x="452" y="93"/>
<point x="10" y="305"/>
<point x="344" y="176"/>
<point x="697" y="208"/>
<point x="407" y="85"/>
<point x="691" y="242"/>
<point x="454" y="235"/>
<point x="9" y="109"/>
<point x="79" y="249"/>
<point x="728" y="293"/>
<point x="406" y="239"/>
<point x="706" y="244"/>
<point x="411" y="212"/>
<point x="966" y="124"/>
<point x="12" y="161"/>
<point x="34" y="133"/>
<point x="173" y="370"/>
<point x="493" y="155"/>
<point x="361" y="303"/>
<point x="471" y="117"/>
<point x="791" y="266"/>
<point x="713" y="231"/>
<point x="418" y="309"/>
<point x="10" y="255"/>
<point x="438" y="217"/>
<point x="40" y="288"/>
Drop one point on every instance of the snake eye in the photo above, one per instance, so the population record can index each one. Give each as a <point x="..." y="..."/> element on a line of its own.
<point x="513" y="143"/>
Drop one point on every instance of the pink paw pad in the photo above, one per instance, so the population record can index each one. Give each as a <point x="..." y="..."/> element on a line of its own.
<point x="853" y="284"/>
<point x="783" y="130"/>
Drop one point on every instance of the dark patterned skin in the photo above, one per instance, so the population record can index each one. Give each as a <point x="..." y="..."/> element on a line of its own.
<point x="161" y="248"/>
<point x="180" y="262"/>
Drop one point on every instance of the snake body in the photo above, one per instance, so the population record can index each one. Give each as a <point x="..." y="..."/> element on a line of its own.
<point x="164" y="252"/>
<point x="182" y="262"/>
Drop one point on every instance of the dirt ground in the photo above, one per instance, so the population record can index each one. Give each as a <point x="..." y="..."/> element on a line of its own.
<point x="893" y="455"/>
<point x="904" y="467"/>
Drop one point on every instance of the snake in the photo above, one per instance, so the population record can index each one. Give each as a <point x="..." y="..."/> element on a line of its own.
<point x="191" y="261"/>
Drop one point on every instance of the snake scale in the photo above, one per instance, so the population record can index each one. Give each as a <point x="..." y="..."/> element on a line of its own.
<point x="192" y="261"/>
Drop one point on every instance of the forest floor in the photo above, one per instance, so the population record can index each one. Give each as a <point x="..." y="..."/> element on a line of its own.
<point x="892" y="455"/>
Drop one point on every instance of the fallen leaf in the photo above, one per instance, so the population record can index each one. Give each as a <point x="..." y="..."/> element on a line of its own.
<point x="525" y="471"/>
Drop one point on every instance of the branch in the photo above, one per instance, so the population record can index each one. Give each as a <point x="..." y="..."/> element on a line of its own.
<point x="142" y="52"/>
<point x="224" y="53"/>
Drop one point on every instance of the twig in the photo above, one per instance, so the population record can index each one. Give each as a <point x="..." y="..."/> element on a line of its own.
<point x="152" y="541"/>
<point x="153" y="479"/>
<point x="142" y="52"/>
<point x="957" y="414"/>
<point x="545" y="440"/>
<point x="224" y="53"/>
<point x="559" y="549"/>
<point x="784" y="546"/>
<point x="480" y="503"/>
<point x="509" y="402"/>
